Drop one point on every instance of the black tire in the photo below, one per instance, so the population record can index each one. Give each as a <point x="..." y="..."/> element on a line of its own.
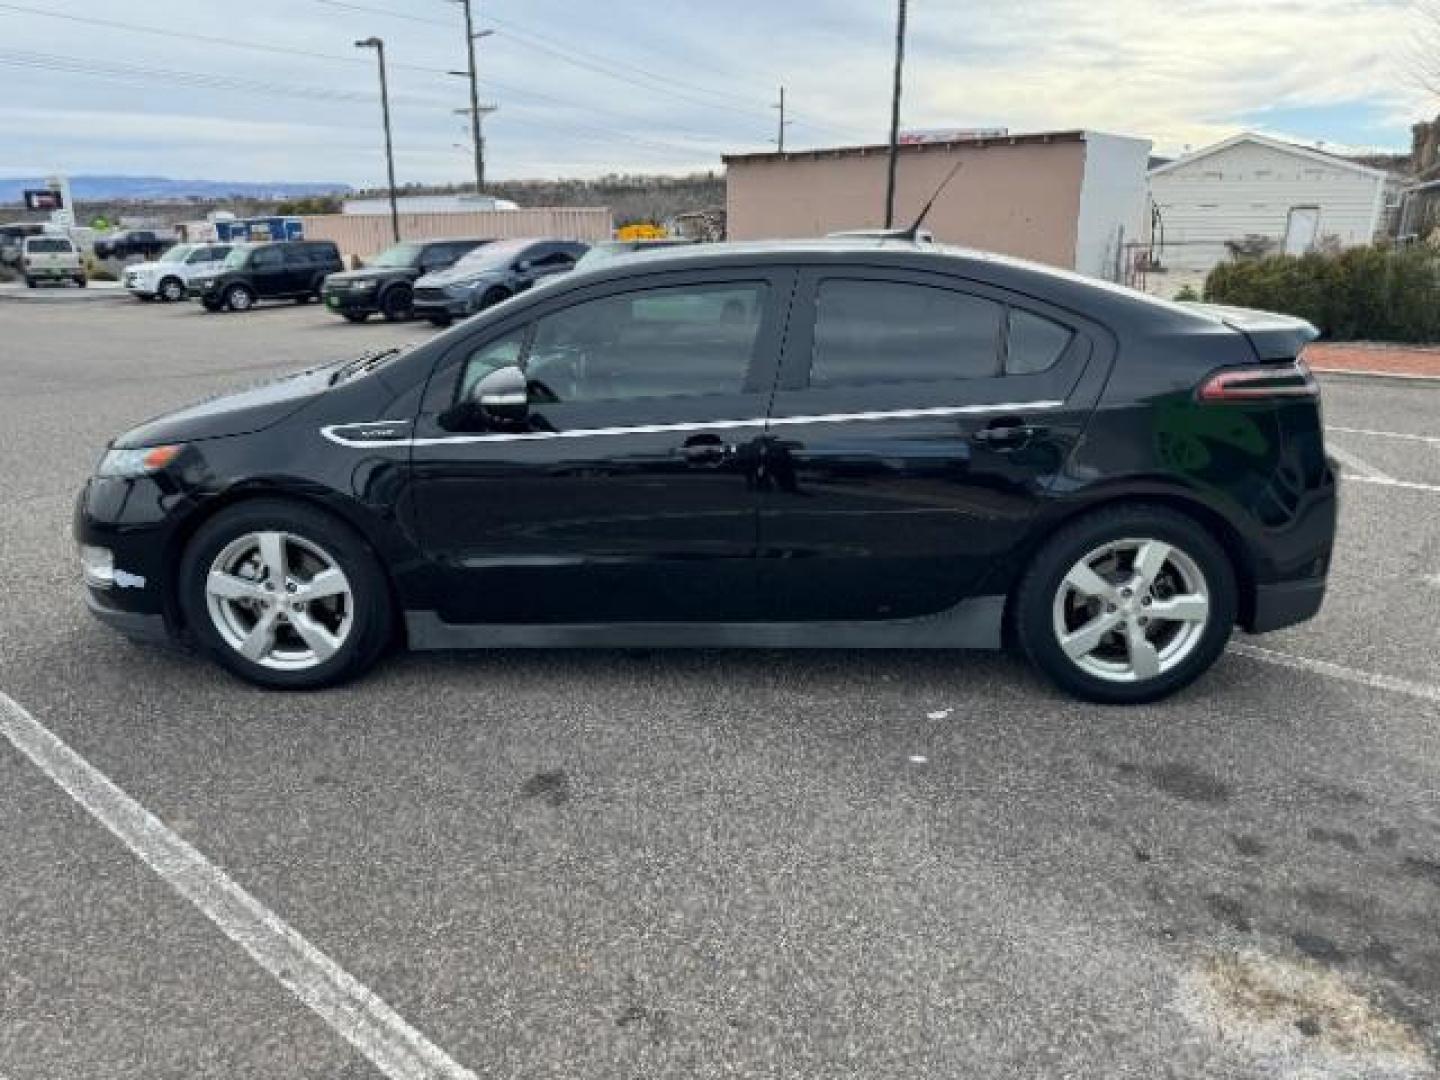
<point x="493" y="297"/>
<point x="371" y="628"/>
<point x="355" y="316"/>
<point x="82" y="282"/>
<point x="395" y="303"/>
<point x="211" y="305"/>
<point x="1033" y="602"/>
<point x="31" y="283"/>
<point x="171" y="290"/>
<point x="239" y="298"/>
<point x="441" y="321"/>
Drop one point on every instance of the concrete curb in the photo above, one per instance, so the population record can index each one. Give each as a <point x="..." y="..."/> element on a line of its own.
<point x="62" y="296"/>
<point x="1347" y="373"/>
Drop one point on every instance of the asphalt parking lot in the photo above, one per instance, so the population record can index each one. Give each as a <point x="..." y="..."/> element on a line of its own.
<point x="621" y="864"/>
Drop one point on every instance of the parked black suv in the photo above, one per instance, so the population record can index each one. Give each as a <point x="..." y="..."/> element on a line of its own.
<point x="385" y="284"/>
<point x="490" y="274"/>
<point x="281" y="270"/>
<point x="122" y="245"/>
<point x="844" y="444"/>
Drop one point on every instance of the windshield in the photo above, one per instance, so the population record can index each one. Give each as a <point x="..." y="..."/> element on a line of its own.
<point x="178" y="253"/>
<point x="238" y="254"/>
<point x="399" y="255"/>
<point x="57" y="245"/>
<point x="492" y="256"/>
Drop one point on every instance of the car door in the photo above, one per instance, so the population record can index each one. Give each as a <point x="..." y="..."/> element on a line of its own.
<point x="629" y="494"/>
<point x="918" y="422"/>
<point x="542" y="261"/>
<point x="268" y="271"/>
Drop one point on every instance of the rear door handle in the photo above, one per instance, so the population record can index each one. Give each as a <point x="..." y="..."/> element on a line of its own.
<point x="1007" y="436"/>
<point x="705" y="450"/>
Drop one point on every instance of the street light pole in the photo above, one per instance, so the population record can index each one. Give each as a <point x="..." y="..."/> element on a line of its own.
<point x="895" y="116"/>
<point x="379" y="47"/>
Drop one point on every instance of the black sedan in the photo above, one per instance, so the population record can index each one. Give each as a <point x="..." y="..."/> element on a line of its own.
<point x="385" y="285"/>
<point x="849" y="444"/>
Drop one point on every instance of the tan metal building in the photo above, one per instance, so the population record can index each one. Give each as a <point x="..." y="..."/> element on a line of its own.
<point x="364" y="235"/>
<point x="1068" y="198"/>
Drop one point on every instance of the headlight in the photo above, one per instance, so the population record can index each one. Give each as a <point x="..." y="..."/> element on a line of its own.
<point x="139" y="461"/>
<point x="362" y="286"/>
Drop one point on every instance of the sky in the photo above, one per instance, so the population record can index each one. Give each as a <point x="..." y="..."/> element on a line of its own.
<point x="277" y="90"/>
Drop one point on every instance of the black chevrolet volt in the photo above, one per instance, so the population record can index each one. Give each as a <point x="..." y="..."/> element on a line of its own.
<point x="863" y="443"/>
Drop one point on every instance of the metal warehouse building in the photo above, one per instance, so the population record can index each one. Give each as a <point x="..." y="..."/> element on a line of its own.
<point x="1072" y="199"/>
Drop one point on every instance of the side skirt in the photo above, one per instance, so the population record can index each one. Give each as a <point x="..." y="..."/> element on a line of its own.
<point x="971" y="624"/>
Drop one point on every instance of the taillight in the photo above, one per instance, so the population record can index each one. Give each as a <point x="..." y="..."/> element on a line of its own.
<point x="1257" y="383"/>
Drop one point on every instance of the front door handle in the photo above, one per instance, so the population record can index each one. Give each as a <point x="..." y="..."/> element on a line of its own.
<point x="705" y="451"/>
<point x="1007" y="434"/>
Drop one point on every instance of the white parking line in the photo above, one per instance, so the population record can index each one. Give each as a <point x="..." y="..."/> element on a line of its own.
<point x="1433" y="440"/>
<point x="1424" y="691"/>
<point x="366" y="1022"/>
<point x="1390" y="481"/>
<point x="1357" y="463"/>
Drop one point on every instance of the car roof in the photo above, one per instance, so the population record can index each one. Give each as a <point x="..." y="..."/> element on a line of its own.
<point x="1085" y="295"/>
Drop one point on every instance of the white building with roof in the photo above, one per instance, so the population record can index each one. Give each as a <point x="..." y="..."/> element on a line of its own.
<point x="1297" y="198"/>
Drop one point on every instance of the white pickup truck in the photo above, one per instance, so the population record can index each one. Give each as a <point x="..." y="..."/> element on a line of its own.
<point x="51" y="258"/>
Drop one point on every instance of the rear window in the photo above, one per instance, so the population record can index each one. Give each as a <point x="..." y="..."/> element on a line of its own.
<point x="49" y="246"/>
<point x="889" y="331"/>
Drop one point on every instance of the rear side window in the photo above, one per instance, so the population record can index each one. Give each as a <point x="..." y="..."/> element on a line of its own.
<point x="888" y="331"/>
<point x="1033" y="343"/>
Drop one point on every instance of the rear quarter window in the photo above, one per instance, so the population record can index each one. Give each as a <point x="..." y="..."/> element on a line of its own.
<point x="1033" y="343"/>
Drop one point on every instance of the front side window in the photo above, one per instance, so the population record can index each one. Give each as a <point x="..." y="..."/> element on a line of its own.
<point x="267" y="258"/>
<point x="888" y="331"/>
<point x="238" y="254"/>
<point x="666" y="342"/>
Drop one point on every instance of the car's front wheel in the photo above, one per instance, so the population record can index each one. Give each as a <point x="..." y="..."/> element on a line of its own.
<point x="239" y="298"/>
<point x="395" y="303"/>
<point x="172" y="290"/>
<point x="285" y="596"/>
<point x="1126" y="605"/>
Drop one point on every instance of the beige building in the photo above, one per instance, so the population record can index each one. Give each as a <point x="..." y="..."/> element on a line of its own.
<point x="1068" y="198"/>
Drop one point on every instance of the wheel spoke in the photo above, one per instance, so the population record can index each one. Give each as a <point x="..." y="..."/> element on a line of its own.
<point x="1087" y="581"/>
<point x="1144" y="659"/>
<point x="261" y="638"/>
<point x="1087" y="638"/>
<point x="272" y="554"/>
<point x="1188" y="608"/>
<point x="321" y="641"/>
<point x="324" y="584"/>
<point x="1150" y="560"/>
<point x="233" y="587"/>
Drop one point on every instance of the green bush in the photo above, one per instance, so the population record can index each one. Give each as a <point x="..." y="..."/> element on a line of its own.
<point x="1368" y="293"/>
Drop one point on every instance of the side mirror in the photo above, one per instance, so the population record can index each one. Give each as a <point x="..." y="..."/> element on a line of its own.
<point x="525" y="266"/>
<point x="503" y="395"/>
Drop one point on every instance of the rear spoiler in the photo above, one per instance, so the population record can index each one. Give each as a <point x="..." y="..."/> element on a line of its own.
<point x="1274" y="336"/>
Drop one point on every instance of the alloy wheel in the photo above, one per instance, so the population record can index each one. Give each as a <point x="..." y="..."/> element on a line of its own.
<point x="1131" y="610"/>
<point x="279" y="600"/>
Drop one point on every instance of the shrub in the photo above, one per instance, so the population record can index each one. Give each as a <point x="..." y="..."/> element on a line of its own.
<point x="1361" y="293"/>
<point x="1187" y="294"/>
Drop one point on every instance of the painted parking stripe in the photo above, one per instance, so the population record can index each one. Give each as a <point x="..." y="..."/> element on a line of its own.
<point x="1388" y="481"/>
<point x="351" y="1009"/>
<point x="1374" y="681"/>
<point x="1357" y="464"/>
<point x="1433" y="440"/>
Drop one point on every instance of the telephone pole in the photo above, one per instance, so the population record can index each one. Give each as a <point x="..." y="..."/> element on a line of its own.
<point x="475" y="112"/>
<point x="895" y="115"/>
<point x="379" y="47"/>
<point x="780" y="136"/>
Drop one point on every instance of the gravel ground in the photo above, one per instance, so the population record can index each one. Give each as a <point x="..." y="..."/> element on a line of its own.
<point x="747" y="864"/>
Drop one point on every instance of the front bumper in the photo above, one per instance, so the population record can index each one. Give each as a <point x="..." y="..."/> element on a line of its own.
<point x="132" y="519"/>
<point x="343" y="300"/>
<point x="455" y="307"/>
<point x="135" y="625"/>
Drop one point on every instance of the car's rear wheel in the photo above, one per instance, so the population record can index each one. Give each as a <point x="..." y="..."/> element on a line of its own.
<point x="1127" y="605"/>
<point x="395" y="303"/>
<point x="239" y="298"/>
<point x="493" y="297"/>
<point x="438" y="320"/>
<point x="285" y="596"/>
<point x="211" y="305"/>
<point x="171" y="290"/>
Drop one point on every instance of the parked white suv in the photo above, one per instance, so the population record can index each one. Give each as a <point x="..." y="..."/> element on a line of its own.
<point x="167" y="277"/>
<point x="51" y="258"/>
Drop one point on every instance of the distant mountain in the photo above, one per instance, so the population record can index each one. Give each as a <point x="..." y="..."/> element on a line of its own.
<point x="153" y="188"/>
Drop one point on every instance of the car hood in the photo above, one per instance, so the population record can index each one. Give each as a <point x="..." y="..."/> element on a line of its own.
<point x="238" y="413"/>
<point x="368" y="273"/>
<point x="455" y="276"/>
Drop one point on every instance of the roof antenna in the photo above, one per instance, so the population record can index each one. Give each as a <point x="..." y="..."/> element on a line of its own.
<point x="914" y="230"/>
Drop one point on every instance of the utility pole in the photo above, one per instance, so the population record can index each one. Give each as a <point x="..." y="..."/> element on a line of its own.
<point x="379" y="47"/>
<point x="470" y="38"/>
<point x="895" y="115"/>
<point x="780" y="136"/>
